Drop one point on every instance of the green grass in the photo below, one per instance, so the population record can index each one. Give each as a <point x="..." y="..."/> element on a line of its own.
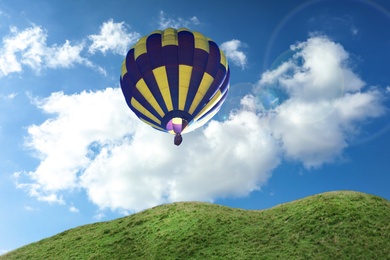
<point x="333" y="225"/>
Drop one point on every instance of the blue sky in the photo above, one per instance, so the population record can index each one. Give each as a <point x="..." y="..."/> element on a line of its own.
<point x="307" y="112"/>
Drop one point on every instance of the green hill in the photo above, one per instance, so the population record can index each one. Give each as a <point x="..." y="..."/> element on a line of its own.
<point x="333" y="225"/>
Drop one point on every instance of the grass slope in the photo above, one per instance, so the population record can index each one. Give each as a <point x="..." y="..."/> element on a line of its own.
<point x="333" y="225"/>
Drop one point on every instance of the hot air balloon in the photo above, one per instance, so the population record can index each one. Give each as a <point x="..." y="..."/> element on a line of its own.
<point x="175" y="80"/>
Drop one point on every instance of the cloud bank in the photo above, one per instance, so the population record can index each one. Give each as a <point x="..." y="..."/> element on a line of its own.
<point x="99" y="146"/>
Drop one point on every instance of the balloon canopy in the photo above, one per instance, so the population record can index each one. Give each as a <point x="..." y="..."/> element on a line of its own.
<point x="175" y="80"/>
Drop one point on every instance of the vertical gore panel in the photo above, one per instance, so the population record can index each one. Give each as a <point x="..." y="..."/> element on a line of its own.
<point x="161" y="77"/>
<point x="146" y="71"/>
<point x="213" y="59"/>
<point x="216" y="107"/>
<point x="204" y="85"/>
<point x="149" y="96"/>
<point x="156" y="59"/>
<point x="141" y="98"/>
<point x="146" y="114"/>
<point x="224" y="61"/>
<point x="169" y="37"/>
<point x="131" y="94"/>
<point x="128" y="85"/>
<point x="225" y="84"/>
<point x="186" y="48"/>
<point x="185" y="72"/>
<point x="186" y="59"/>
<point x="154" y="50"/>
<point x="199" y="67"/>
<point x="123" y="68"/>
<point x="171" y="61"/>
<point x="140" y="47"/>
<point x="210" y="82"/>
<point x="216" y="99"/>
<point x="132" y="67"/>
<point x="201" y="42"/>
<point x="217" y="84"/>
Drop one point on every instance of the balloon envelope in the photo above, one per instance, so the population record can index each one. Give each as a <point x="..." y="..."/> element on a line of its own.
<point x="175" y="80"/>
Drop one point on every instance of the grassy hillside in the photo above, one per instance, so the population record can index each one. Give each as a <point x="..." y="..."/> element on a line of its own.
<point x="333" y="225"/>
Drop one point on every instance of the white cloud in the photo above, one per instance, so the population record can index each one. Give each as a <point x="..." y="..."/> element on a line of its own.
<point x="64" y="56"/>
<point x="62" y="143"/>
<point x="167" y="22"/>
<point x="94" y="142"/>
<point x="325" y="102"/>
<point x="234" y="55"/>
<point x="113" y="37"/>
<point x="28" y="48"/>
<point x="324" y="73"/>
<point x="276" y="75"/>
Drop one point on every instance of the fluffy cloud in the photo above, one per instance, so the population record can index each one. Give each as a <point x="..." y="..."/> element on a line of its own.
<point x="63" y="143"/>
<point x="234" y="55"/>
<point x="64" y="56"/>
<point x="113" y="37"/>
<point x="29" y="48"/>
<point x="325" y="102"/>
<point x="26" y="47"/>
<point x="94" y="142"/>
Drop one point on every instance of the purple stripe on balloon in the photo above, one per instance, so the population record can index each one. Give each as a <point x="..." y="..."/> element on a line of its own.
<point x="186" y="47"/>
<point x="154" y="50"/>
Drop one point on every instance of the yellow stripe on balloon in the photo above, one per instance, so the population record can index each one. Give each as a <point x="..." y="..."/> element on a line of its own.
<point x="153" y="125"/>
<point x="144" y="111"/>
<point x="160" y="75"/>
<point x="145" y="92"/>
<point x="185" y="72"/>
<point x="217" y="97"/>
<point x="169" y="37"/>
<point x="201" y="41"/>
<point x="224" y="61"/>
<point x="124" y="69"/>
<point x="140" y="47"/>
<point x="203" y="87"/>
